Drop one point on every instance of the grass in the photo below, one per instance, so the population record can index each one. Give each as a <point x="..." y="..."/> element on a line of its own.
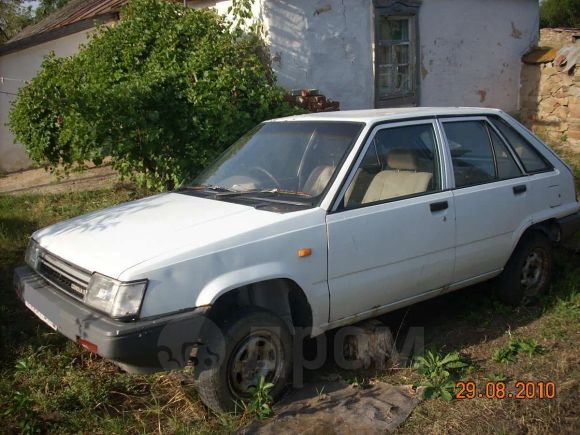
<point x="509" y="352"/>
<point x="542" y="340"/>
<point x="47" y="383"/>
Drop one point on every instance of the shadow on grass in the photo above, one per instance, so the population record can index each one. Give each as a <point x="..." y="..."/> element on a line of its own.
<point x="468" y="317"/>
<point x="19" y="328"/>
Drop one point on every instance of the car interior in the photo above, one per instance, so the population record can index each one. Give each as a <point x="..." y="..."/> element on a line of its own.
<point x="399" y="162"/>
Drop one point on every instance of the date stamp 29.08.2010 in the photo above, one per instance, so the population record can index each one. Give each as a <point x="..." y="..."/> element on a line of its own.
<point x="501" y="390"/>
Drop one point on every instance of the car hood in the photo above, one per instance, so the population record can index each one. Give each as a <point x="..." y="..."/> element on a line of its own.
<point x="112" y="240"/>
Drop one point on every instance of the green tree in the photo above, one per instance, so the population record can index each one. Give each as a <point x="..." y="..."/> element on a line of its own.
<point x="47" y="7"/>
<point x="162" y="93"/>
<point x="14" y="16"/>
<point x="560" y="13"/>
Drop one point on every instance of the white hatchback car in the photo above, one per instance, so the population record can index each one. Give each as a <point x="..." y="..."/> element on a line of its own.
<point x="305" y="224"/>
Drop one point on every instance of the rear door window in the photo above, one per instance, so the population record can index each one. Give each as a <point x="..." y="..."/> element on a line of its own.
<point x="471" y="152"/>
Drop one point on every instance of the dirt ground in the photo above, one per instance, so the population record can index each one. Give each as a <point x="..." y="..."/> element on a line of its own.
<point x="42" y="181"/>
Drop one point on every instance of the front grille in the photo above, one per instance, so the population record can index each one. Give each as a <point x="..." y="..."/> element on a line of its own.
<point x="64" y="275"/>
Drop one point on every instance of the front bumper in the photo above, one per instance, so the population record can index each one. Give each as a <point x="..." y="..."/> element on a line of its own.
<point x="569" y="225"/>
<point x="144" y="346"/>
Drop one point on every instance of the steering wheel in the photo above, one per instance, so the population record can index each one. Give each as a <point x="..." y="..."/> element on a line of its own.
<point x="267" y="173"/>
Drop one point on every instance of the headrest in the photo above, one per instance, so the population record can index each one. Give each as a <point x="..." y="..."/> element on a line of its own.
<point x="402" y="160"/>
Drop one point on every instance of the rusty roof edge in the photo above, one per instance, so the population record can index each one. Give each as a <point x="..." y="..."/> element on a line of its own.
<point x="73" y="11"/>
<point x="60" y="32"/>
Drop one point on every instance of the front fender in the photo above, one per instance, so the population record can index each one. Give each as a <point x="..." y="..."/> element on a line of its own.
<point x="241" y="277"/>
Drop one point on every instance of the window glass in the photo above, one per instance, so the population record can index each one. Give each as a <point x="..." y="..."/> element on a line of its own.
<point x="399" y="162"/>
<point x="394" y="56"/>
<point x="292" y="158"/>
<point x="470" y="152"/>
<point x="531" y="159"/>
<point x="506" y="165"/>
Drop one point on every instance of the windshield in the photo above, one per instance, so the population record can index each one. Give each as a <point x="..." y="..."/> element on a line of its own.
<point x="292" y="158"/>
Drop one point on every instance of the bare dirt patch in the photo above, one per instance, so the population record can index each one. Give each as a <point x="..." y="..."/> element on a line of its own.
<point x="42" y="181"/>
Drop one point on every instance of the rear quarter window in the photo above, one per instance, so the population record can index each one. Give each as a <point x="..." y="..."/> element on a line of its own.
<point x="530" y="157"/>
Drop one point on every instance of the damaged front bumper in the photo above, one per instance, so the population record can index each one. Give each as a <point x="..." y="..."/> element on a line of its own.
<point x="142" y="346"/>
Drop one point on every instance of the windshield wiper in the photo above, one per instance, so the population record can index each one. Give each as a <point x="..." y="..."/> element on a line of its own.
<point x="223" y="192"/>
<point x="259" y="191"/>
<point x="209" y="188"/>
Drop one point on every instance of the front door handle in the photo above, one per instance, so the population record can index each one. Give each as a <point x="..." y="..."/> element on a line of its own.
<point x="438" y="206"/>
<point x="520" y="189"/>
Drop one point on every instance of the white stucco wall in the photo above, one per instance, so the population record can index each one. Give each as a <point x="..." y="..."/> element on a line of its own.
<point x="325" y="45"/>
<point x="471" y="51"/>
<point x="23" y="65"/>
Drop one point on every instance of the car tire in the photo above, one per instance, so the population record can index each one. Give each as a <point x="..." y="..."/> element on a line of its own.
<point x="223" y="386"/>
<point x="528" y="272"/>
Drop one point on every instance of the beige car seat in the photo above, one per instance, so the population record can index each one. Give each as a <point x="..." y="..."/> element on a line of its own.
<point x="318" y="180"/>
<point x="401" y="179"/>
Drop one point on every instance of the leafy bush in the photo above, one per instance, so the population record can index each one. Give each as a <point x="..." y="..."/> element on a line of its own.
<point x="162" y="93"/>
<point x="509" y="352"/>
<point x="440" y="372"/>
<point x="260" y="400"/>
<point x="560" y="13"/>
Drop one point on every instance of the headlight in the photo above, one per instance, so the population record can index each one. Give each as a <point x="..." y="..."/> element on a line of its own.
<point x="32" y="256"/>
<point x="117" y="299"/>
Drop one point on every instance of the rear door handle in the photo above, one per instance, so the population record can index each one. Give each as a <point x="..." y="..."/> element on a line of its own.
<point x="438" y="206"/>
<point x="520" y="189"/>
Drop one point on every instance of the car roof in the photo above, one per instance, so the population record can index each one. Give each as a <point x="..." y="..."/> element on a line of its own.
<point x="377" y="115"/>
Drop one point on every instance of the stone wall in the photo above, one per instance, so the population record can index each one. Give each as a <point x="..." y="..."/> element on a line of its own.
<point x="557" y="38"/>
<point x="550" y="96"/>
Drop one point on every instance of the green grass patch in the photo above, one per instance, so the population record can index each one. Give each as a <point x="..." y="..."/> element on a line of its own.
<point x="509" y="352"/>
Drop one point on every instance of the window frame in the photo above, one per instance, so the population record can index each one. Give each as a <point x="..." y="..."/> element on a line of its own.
<point x="510" y="150"/>
<point x="337" y="204"/>
<point x="397" y="9"/>
<point x="483" y="119"/>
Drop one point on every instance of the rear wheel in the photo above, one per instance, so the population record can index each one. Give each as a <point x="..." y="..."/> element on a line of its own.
<point x="528" y="272"/>
<point x="257" y="344"/>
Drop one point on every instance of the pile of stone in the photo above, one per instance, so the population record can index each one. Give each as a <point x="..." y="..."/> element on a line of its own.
<point x="311" y="100"/>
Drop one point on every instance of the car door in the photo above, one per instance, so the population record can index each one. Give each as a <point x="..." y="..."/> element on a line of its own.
<point x="391" y="233"/>
<point x="490" y="195"/>
<point x="544" y="184"/>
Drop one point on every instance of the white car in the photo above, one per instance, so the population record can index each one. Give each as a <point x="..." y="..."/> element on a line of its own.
<point x="306" y="223"/>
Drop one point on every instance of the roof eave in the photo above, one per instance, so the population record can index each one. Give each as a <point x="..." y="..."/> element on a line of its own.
<point x="40" y="38"/>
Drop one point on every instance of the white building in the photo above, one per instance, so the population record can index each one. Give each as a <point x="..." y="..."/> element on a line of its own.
<point x="362" y="53"/>
<point x="20" y="58"/>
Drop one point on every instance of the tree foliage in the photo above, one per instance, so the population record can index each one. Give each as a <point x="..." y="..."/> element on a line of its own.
<point x="560" y="13"/>
<point x="162" y="93"/>
<point x="47" y="7"/>
<point x="14" y="16"/>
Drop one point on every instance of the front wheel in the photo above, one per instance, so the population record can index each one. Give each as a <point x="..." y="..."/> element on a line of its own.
<point x="528" y="272"/>
<point x="257" y="344"/>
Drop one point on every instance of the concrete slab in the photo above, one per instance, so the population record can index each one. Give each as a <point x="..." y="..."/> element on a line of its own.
<point x="337" y="408"/>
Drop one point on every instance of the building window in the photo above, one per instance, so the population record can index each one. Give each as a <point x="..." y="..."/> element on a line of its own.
<point x="396" y="42"/>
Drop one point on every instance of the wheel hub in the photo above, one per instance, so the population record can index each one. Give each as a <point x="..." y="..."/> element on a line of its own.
<point x="258" y="355"/>
<point x="534" y="271"/>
